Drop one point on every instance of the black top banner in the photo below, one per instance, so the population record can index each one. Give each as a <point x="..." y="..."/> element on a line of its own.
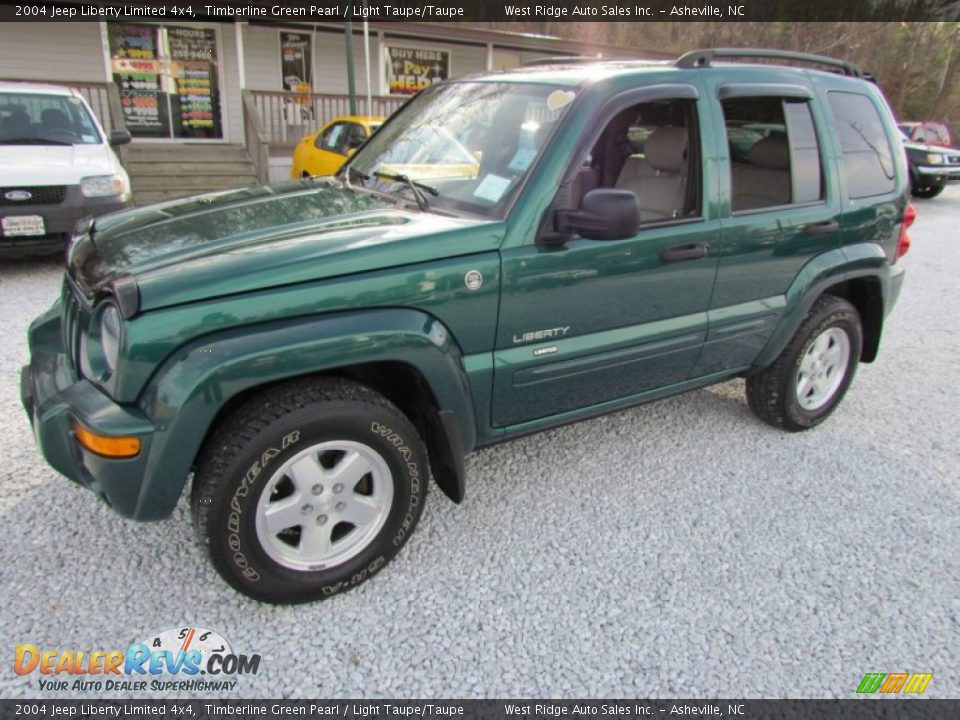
<point x="315" y="11"/>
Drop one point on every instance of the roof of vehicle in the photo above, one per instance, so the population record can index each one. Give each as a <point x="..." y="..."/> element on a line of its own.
<point x="574" y="71"/>
<point x="362" y="119"/>
<point x="574" y="74"/>
<point x="38" y="88"/>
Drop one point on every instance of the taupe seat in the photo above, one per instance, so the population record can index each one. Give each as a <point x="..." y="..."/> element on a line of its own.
<point x="658" y="179"/>
<point x="765" y="182"/>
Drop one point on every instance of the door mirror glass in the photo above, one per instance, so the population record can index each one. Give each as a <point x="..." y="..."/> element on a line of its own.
<point x="119" y="137"/>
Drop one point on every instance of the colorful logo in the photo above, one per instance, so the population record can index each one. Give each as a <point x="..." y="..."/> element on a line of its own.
<point x="894" y="683"/>
<point x="155" y="663"/>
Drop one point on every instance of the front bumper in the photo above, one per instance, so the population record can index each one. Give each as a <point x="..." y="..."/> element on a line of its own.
<point x="938" y="174"/>
<point x="58" y="219"/>
<point x="55" y="399"/>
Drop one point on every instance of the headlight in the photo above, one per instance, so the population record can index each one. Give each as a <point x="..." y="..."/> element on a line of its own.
<point x="935" y="159"/>
<point x="102" y="186"/>
<point x="110" y="336"/>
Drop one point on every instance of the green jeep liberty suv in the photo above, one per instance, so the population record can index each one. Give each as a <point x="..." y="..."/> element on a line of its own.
<point x="508" y="253"/>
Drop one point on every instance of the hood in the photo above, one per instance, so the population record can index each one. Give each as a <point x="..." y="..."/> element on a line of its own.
<point x="924" y="148"/>
<point x="37" y="165"/>
<point x="244" y="240"/>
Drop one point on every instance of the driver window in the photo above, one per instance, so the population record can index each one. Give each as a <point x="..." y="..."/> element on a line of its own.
<point x="333" y="138"/>
<point x="649" y="149"/>
<point x="355" y="136"/>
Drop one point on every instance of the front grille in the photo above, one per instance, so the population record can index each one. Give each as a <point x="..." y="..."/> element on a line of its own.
<point x="50" y="243"/>
<point x="48" y="195"/>
<point x="953" y="159"/>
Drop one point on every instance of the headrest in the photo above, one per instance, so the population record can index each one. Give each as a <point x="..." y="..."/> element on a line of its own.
<point x="666" y="148"/>
<point x="772" y="153"/>
<point x="54" y="118"/>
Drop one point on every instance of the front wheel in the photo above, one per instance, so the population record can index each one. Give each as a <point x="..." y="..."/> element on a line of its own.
<point x="809" y="379"/>
<point x="926" y="191"/>
<point x="308" y="490"/>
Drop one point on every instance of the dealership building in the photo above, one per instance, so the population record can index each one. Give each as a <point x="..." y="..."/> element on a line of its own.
<point x="246" y="92"/>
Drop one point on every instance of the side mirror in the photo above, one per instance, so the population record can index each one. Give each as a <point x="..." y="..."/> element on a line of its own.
<point x="604" y="214"/>
<point x="120" y="137"/>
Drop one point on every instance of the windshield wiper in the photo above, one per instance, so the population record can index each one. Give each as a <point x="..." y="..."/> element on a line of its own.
<point x="416" y="187"/>
<point x="32" y="141"/>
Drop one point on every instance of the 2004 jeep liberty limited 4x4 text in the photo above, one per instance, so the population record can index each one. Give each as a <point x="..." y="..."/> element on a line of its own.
<point x="507" y="253"/>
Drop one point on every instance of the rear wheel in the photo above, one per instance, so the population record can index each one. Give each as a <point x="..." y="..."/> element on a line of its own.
<point x="809" y="379"/>
<point x="308" y="490"/>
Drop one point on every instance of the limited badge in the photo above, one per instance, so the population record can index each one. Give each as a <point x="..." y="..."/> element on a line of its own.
<point x="473" y="280"/>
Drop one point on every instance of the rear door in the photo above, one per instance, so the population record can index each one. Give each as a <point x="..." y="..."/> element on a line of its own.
<point x="781" y="208"/>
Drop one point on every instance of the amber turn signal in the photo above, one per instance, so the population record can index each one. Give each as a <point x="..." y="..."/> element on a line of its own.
<point x="111" y="446"/>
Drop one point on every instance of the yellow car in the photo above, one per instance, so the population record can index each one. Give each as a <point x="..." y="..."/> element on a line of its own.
<point x="327" y="149"/>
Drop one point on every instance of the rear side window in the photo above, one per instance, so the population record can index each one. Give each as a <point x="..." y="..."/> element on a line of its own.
<point x="774" y="154"/>
<point x="867" y="155"/>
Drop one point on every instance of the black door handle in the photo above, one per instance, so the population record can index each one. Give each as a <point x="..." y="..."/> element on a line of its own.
<point x="827" y="227"/>
<point x="690" y="251"/>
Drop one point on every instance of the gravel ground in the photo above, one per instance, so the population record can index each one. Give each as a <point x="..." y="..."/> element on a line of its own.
<point x="678" y="549"/>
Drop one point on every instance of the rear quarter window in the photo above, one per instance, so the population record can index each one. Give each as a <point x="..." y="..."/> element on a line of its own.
<point x="867" y="156"/>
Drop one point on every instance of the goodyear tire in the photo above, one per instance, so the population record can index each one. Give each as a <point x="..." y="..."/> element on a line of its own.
<point x="308" y="489"/>
<point x="810" y="377"/>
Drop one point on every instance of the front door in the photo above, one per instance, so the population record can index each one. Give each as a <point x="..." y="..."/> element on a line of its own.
<point x="590" y="321"/>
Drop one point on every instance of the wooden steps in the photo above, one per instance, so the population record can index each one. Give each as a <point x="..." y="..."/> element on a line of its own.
<point x="161" y="172"/>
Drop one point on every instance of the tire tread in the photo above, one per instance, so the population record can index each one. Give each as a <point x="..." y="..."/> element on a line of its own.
<point x="765" y="388"/>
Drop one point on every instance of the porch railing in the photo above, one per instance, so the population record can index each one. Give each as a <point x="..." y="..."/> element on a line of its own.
<point x="258" y="141"/>
<point x="287" y="116"/>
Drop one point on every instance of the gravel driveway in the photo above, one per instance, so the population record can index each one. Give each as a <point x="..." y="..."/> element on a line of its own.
<point x="682" y="548"/>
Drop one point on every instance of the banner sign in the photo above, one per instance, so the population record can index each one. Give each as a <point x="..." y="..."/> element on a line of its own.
<point x="410" y="70"/>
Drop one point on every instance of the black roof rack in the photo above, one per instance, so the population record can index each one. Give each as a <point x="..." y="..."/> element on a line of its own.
<point x="703" y="58"/>
<point x="563" y="60"/>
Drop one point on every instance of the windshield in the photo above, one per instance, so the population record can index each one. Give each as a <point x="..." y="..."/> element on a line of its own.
<point x="38" y="119"/>
<point x="469" y="145"/>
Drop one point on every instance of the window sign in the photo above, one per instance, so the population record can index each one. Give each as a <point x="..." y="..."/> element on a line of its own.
<point x="136" y="72"/>
<point x="195" y="106"/>
<point x="167" y="79"/>
<point x="296" y="61"/>
<point x="410" y="70"/>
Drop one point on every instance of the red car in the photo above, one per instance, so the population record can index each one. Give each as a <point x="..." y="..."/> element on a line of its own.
<point x="930" y="133"/>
